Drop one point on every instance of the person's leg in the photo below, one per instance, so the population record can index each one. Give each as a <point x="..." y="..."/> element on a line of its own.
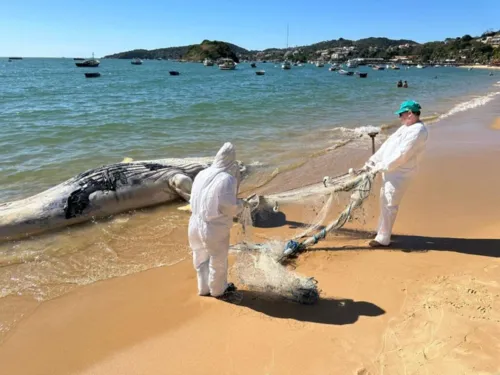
<point x="391" y="193"/>
<point x="201" y="260"/>
<point x="217" y="279"/>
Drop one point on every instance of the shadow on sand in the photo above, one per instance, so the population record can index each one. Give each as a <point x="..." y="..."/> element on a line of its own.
<point x="406" y="243"/>
<point x="325" y="311"/>
<point x="410" y="243"/>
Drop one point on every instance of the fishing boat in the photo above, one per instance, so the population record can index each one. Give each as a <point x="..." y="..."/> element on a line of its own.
<point x="227" y="64"/>
<point x="136" y="61"/>
<point x="286" y="65"/>
<point x="89" y="63"/>
<point x="253" y="65"/>
<point x="260" y="72"/>
<point x="92" y="75"/>
<point x="362" y="75"/>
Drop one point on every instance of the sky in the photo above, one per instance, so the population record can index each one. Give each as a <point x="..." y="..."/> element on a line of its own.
<point x="69" y="28"/>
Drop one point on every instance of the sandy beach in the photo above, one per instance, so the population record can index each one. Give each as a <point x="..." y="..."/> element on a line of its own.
<point x="428" y="305"/>
<point x="480" y="67"/>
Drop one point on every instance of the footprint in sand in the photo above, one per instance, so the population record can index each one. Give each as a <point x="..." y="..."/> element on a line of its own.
<point x="447" y="325"/>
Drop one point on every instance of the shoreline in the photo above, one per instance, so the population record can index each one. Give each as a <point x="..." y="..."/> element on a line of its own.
<point x="491" y="67"/>
<point x="19" y="184"/>
<point x="405" y="308"/>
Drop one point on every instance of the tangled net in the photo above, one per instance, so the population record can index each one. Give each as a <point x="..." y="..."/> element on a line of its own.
<point x="260" y="266"/>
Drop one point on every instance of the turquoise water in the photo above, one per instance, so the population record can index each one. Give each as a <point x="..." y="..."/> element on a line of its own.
<point x="56" y="123"/>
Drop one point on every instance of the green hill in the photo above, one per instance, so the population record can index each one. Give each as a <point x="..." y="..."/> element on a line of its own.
<point x="194" y="52"/>
<point x="213" y="50"/>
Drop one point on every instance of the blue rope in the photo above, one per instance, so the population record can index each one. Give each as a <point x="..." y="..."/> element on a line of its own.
<point x="293" y="245"/>
<point x="319" y="236"/>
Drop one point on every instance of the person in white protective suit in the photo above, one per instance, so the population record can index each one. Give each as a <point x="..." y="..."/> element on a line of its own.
<point x="214" y="204"/>
<point x="397" y="159"/>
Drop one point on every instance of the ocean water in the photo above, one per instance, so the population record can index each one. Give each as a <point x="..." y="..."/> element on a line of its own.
<point x="55" y="123"/>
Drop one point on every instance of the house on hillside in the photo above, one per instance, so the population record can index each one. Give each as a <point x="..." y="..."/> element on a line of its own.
<point x="493" y="41"/>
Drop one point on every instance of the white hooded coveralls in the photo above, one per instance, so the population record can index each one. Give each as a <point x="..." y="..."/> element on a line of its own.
<point x="397" y="159"/>
<point x="213" y="204"/>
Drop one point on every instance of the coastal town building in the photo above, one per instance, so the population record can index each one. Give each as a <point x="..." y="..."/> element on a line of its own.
<point x="493" y="41"/>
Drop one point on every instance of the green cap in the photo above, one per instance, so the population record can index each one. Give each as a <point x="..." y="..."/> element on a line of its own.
<point x="409" y="105"/>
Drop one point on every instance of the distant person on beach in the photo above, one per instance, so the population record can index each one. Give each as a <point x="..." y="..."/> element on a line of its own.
<point x="397" y="159"/>
<point x="214" y="204"/>
<point x="405" y="85"/>
<point x="400" y="83"/>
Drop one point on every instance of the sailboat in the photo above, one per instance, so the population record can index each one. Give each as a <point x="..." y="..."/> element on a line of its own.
<point x="286" y="64"/>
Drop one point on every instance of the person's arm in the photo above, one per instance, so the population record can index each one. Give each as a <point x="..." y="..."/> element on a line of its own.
<point x="409" y="146"/>
<point x="228" y="203"/>
<point x="376" y="158"/>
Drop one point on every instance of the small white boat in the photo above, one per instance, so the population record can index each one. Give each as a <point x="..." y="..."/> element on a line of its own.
<point x="319" y="64"/>
<point x="260" y="72"/>
<point x="136" y="61"/>
<point x="208" y="62"/>
<point x="420" y="66"/>
<point x="286" y="65"/>
<point x="352" y="64"/>
<point x="227" y="64"/>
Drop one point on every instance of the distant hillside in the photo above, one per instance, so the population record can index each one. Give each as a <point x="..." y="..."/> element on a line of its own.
<point x="177" y="53"/>
<point x="466" y="49"/>
<point x="381" y="43"/>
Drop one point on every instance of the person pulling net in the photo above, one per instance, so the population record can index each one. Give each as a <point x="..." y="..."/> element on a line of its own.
<point x="358" y="182"/>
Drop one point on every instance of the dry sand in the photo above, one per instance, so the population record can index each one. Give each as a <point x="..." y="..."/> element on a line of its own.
<point x="481" y="67"/>
<point x="429" y="305"/>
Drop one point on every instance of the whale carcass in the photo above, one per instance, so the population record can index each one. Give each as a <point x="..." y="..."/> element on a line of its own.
<point x="101" y="192"/>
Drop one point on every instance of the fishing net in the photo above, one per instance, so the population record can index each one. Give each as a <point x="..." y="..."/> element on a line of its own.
<point x="262" y="266"/>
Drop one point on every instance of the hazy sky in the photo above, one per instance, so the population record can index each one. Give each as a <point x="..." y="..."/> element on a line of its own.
<point x="69" y="28"/>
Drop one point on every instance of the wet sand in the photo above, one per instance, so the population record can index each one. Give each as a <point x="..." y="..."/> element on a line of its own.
<point x="496" y="124"/>
<point x="428" y="305"/>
